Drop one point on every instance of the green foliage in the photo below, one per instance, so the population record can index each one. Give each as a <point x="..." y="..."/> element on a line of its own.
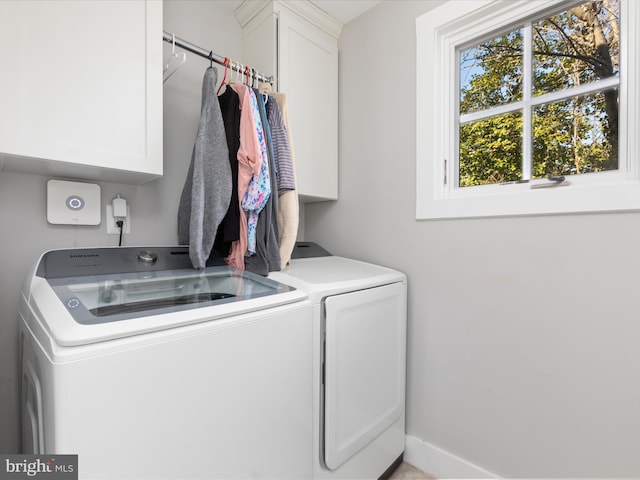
<point x="492" y="150"/>
<point x="497" y="73"/>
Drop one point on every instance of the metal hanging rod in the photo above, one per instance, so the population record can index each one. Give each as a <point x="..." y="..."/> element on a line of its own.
<point x="208" y="54"/>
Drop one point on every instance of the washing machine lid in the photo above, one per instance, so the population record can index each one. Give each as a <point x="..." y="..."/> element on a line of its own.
<point x="115" y="297"/>
<point x="89" y="295"/>
<point x="324" y="276"/>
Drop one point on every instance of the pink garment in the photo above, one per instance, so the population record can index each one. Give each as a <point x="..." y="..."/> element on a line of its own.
<point x="249" y="164"/>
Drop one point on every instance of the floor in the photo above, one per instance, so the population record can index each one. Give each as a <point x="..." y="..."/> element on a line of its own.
<point x="407" y="471"/>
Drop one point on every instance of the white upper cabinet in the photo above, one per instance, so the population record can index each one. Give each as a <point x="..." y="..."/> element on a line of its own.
<point x="298" y="43"/>
<point x="81" y="88"/>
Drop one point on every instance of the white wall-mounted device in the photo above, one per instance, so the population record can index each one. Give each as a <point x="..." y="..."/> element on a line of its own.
<point x="73" y="203"/>
<point x="118" y="210"/>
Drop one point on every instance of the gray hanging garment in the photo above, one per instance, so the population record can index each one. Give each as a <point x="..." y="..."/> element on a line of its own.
<point x="207" y="190"/>
<point x="267" y="258"/>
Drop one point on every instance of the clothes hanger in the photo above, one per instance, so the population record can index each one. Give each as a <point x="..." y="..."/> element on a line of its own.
<point x="226" y="63"/>
<point x="256" y="84"/>
<point x="230" y="72"/>
<point x="181" y="57"/>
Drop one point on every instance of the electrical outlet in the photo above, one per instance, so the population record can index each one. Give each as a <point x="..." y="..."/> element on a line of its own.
<point x="112" y="228"/>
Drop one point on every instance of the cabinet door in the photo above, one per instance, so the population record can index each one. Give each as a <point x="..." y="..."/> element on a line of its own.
<point x="82" y="87"/>
<point x="308" y="74"/>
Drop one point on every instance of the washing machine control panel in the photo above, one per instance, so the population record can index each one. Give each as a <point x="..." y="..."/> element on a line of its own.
<point x="115" y="260"/>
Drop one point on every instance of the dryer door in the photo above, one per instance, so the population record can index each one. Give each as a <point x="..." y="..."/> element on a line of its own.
<point x="365" y="352"/>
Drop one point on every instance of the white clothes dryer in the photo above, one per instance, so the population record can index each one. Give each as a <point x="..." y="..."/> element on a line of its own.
<point x="149" y="369"/>
<point x="359" y="346"/>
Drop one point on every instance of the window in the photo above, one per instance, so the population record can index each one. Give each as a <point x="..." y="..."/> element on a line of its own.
<point x="523" y="107"/>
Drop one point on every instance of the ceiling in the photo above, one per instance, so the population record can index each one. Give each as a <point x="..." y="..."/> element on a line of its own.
<point x="345" y="10"/>
<point x="342" y="10"/>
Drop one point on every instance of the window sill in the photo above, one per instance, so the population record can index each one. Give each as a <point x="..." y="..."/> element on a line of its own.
<point x="522" y="200"/>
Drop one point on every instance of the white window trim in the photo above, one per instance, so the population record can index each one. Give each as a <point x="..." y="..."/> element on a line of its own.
<point x="438" y="33"/>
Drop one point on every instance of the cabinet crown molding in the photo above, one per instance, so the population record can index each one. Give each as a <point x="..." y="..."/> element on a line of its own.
<point x="249" y="9"/>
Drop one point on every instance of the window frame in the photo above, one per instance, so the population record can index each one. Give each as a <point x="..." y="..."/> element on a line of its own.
<point x="439" y="34"/>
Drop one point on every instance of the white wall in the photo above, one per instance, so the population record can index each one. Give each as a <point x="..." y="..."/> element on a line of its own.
<point x="524" y="333"/>
<point x="25" y="233"/>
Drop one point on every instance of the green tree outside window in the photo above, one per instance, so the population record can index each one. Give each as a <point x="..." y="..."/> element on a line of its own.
<point x="546" y="92"/>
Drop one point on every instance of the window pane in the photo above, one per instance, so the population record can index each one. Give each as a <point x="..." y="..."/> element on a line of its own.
<point x="577" y="46"/>
<point x="491" y="150"/>
<point x="579" y="135"/>
<point x="491" y="73"/>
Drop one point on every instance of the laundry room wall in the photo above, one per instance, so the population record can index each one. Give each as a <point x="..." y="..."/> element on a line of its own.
<point x="25" y="233"/>
<point x="524" y="333"/>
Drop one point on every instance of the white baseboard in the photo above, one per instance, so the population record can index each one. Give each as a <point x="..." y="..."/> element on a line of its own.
<point x="440" y="463"/>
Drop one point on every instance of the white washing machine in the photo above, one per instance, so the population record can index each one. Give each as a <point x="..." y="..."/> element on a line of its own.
<point x="148" y="369"/>
<point x="359" y="347"/>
